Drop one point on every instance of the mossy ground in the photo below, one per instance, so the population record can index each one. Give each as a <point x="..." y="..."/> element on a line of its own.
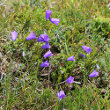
<point x="26" y="86"/>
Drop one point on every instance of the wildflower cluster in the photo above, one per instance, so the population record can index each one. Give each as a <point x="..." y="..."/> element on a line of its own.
<point x="45" y="38"/>
<point x="53" y="20"/>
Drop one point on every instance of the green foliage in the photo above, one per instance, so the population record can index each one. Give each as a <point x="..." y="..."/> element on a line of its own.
<point x="24" y="85"/>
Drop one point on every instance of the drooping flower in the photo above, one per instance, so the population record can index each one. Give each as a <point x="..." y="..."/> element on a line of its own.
<point x="61" y="94"/>
<point x="71" y="58"/>
<point x="43" y="38"/>
<point x="82" y="55"/>
<point x="46" y="63"/>
<point x="48" y="13"/>
<point x="31" y="36"/>
<point x="55" y="21"/>
<point x="48" y="54"/>
<point x="94" y="74"/>
<point x="70" y="80"/>
<point x="14" y="35"/>
<point x="46" y="46"/>
<point x="87" y="49"/>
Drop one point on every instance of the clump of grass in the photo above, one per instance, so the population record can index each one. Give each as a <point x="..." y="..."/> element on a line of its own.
<point x="24" y="85"/>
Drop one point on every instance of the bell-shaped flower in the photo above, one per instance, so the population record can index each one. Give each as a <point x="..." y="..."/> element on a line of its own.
<point x="43" y="38"/>
<point x="48" y="54"/>
<point x="61" y="94"/>
<point x="46" y="63"/>
<point x="14" y="35"/>
<point x="46" y="46"/>
<point x="70" y="80"/>
<point x="31" y="36"/>
<point x="55" y="21"/>
<point x="87" y="49"/>
<point x="82" y="55"/>
<point x="94" y="74"/>
<point x="48" y="13"/>
<point x="71" y="58"/>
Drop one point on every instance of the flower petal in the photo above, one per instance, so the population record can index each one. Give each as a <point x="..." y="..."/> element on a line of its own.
<point x="46" y="46"/>
<point x="94" y="74"/>
<point x="31" y="36"/>
<point x="43" y="38"/>
<point x="55" y="21"/>
<point x="87" y="49"/>
<point x="46" y="63"/>
<point x="48" y="54"/>
<point x="61" y="94"/>
<point x="48" y="13"/>
<point x="82" y="55"/>
<point x="14" y="35"/>
<point x="71" y="58"/>
<point x="70" y="80"/>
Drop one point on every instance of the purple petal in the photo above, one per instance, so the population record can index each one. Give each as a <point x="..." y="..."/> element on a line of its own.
<point x="87" y="49"/>
<point x="61" y="71"/>
<point x="43" y="38"/>
<point x="94" y="74"/>
<point x="71" y="58"/>
<point x="55" y="21"/>
<point x="48" y="54"/>
<point x="48" y="13"/>
<point x="82" y="55"/>
<point x="61" y="94"/>
<point x="14" y="35"/>
<point x="70" y="80"/>
<point x="31" y="36"/>
<point x="44" y="64"/>
<point x="46" y="46"/>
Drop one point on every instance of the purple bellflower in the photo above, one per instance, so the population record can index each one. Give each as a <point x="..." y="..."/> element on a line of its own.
<point x="94" y="74"/>
<point x="14" y="35"/>
<point x="46" y="63"/>
<point x="31" y="36"/>
<point x="71" y="58"/>
<point x="46" y="46"/>
<point x="48" y="13"/>
<point x="87" y="49"/>
<point x="70" y="80"/>
<point x="55" y="21"/>
<point x="82" y="55"/>
<point x="48" y="54"/>
<point x="61" y="94"/>
<point x="43" y="38"/>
